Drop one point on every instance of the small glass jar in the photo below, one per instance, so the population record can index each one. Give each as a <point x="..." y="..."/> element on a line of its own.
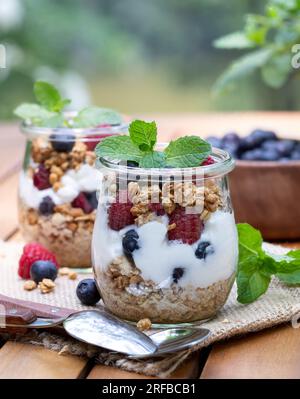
<point x="165" y="244"/>
<point x="57" y="190"/>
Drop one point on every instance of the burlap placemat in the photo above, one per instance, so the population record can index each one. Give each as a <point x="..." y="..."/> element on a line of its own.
<point x="279" y="305"/>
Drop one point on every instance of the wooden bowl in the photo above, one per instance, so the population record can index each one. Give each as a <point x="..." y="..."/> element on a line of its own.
<point x="267" y="195"/>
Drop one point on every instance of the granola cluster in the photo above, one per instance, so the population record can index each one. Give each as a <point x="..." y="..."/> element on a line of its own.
<point x="207" y="199"/>
<point x="57" y="163"/>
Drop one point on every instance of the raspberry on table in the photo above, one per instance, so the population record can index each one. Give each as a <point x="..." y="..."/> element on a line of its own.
<point x="208" y="161"/>
<point x="188" y="226"/>
<point x="82" y="202"/>
<point x="41" y="178"/>
<point x="119" y="215"/>
<point x="33" y="252"/>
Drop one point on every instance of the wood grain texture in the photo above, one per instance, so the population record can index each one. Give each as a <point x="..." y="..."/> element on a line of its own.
<point x="189" y="369"/>
<point x="265" y="195"/>
<point x="27" y="361"/>
<point x="273" y="353"/>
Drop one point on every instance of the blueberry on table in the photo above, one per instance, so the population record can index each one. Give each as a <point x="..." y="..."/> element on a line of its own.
<point x="62" y="142"/>
<point x="231" y="138"/>
<point x="130" y="242"/>
<point x="87" y="292"/>
<point x="43" y="269"/>
<point x="204" y="249"/>
<point x="270" y="155"/>
<point x="46" y="207"/>
<point x="178" y="272"/>
<point x="214" y="141"/>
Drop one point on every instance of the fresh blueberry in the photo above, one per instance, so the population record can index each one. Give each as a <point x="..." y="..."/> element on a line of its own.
<point x="130" y="242"/>
<point x="87" y="292"/>
<point x="295" y="156"/>
<point x="285" y="147"/>
<point x="262" y="135"/>
<point x="204" y="248"/>
<point x="178" y="272"/>
<point x="269" y="145"/>
<point x="46" y="207"/>
<point x="62" y="142"/>
<point x="43" y="269"/>
<point x="270" y="155"/>
<point x="252" y="155"/>
<point x="248" y="143"/>
<point x="284" y="159"/>
<point x="92" y="198"/>
<point x="214" y="141"/>
<point x="255" y="139"/>
<point x="231" y="138"/>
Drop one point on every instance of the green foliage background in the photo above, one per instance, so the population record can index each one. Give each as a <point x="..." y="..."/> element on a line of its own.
<point x="135" y="55"/>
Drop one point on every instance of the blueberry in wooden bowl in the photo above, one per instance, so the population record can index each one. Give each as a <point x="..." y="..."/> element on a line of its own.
<point x="265" y="185"/>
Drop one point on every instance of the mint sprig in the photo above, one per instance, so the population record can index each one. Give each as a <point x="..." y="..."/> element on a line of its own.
<point x="256" y="266"/>
<point x="188" y="151"/>
<point x="49" y="111"/>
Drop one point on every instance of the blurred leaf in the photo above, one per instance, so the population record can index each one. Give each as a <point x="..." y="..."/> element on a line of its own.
<point x="276" y="71"/>
<point x="49" y="97"/>
<point x="235" y="40"/>
<point x="33" y="113"/>
<point x="94" y="116"/>
<point x="242" y="67"/>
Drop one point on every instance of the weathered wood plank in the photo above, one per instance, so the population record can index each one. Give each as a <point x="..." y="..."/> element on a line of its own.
<point x="189" y="369"/>
<point x="272" y="353"/>
<point x="26" y="361"/>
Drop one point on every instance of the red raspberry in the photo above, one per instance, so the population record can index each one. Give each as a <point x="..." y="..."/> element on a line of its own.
<point x="188" y="226"/>
<point x="33" y="252"/>
<point x="82" y="202"/>
<point x="94" y="140"/>
<point x="41" y="178"/>
<point x="119" y="215"/>
<point x="208" y="161"/>
<point x="157" y="208"/>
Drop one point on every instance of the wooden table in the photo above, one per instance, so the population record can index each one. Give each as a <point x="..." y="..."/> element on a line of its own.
<point x="273" y="353"/>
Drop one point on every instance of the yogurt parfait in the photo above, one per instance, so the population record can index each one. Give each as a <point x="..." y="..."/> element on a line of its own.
<point x="165" y="243"/>
<point x="58" y="182"/>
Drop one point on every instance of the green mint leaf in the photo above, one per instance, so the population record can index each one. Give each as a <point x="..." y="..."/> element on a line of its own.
<point x="153" y="159"/>
<point x="255" y="267"/>
<point x="34" y="114"/>
<point x="118" y="148"/>
<point x="143" y="134"/>
<point x="288" y="267"/>
<point x="49" y="97"/>
<point x="188" y="151"/>
<point x="94" y="116"/>
<point x="252" y="285"/>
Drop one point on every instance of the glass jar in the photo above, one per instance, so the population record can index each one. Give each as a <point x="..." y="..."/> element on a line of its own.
<point x="57" y="190"/>
<point x="165" y="245"/>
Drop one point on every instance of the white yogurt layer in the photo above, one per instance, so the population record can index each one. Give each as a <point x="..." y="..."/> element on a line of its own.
<point x="87" y="179"/>
<point x="157" y="257"/>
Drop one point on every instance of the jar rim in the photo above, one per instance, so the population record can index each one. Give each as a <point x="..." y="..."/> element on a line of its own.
<point x="86" y="133"/>
<point x="224" y="164"/>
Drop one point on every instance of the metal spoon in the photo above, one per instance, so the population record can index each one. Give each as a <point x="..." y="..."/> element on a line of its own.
<point x="97" y="327"/>
<point x="102" y="329"/>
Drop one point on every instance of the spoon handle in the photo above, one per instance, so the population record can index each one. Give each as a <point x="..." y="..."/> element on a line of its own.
<point x="21" y="313"/>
